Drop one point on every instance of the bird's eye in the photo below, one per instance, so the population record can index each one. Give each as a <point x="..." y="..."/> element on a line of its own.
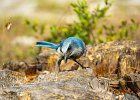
<point x="69" y="48"/>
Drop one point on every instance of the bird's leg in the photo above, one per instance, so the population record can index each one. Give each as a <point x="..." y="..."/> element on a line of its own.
<point x="79" y="63"/>
<point x="59" y="62"/>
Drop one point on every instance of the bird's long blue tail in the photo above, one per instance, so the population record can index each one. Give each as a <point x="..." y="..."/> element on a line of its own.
<point x="46" y="44"/>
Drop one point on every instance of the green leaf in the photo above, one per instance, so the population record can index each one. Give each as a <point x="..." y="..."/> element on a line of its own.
<point x="106" y="2"/>
<point x="124" y="23"/>
<point x="27" y="22"/>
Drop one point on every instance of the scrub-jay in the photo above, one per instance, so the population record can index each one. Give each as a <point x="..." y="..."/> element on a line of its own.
<point x="69" y="48"/>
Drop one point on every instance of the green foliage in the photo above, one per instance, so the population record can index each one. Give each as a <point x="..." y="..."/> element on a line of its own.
<point x="122" y="32"/>
<point x="36" y="26"/>
<point x="88" y="27"/>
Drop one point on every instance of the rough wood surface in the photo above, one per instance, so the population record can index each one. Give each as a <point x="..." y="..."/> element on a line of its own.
<point x="114" y="73"/>
<point x="120" y="57"/>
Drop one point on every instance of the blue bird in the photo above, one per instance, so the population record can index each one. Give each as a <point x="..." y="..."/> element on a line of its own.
<point x="69" y="48"/>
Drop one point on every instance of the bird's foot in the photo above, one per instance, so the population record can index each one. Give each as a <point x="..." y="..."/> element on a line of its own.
<point x="80" y="64"/>
<point x="57" y="68"/>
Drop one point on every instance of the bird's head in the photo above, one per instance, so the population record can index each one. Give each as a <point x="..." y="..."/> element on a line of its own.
<point x="73" y="53"/>
<point x="67" y="52"/>
<point x="72" y="48"/>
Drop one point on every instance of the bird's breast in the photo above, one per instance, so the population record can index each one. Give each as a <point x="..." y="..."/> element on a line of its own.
<point x="59" y="51"/>
<point x="76" y="53"/>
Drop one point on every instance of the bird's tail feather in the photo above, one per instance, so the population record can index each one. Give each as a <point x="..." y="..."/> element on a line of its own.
<point x="46" y="44"/>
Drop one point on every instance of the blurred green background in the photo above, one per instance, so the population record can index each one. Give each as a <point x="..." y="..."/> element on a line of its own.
<point x="23" y="22"/>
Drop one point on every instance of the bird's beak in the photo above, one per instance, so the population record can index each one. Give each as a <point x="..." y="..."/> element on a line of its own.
<point x="65" y="59"/>
<point x="85" y="52"/>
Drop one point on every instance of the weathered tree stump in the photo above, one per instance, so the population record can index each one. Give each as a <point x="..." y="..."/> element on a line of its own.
<point x="116" y="65"/>
<point x="119" y="57"/>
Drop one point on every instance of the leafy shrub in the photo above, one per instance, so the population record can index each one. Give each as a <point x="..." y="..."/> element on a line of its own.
<point x="36" y="26"/>
<point x="88" y="27"/>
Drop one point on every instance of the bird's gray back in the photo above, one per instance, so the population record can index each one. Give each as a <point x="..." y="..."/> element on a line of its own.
<point x="72" y="41"/>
